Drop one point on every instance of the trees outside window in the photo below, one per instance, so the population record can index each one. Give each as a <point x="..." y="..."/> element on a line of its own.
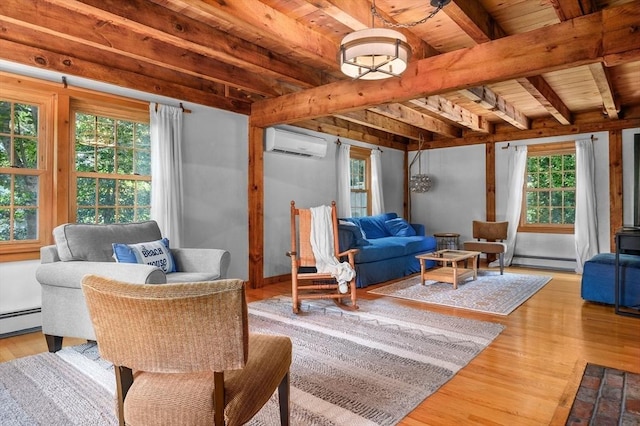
<point x="23" y="173"/>
<point x="360" y="172"/>
<point x="550" y="189"/>
<point x="112" y="169"/>
<point x="68" y="155"/>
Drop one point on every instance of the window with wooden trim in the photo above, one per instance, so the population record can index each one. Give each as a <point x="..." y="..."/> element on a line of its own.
<point x="25" y="172"/>
<point x="360" y="172"/>
<point x="45" y="181"/>
<point x="112" y="165"/>
<point x="549" y="199"/>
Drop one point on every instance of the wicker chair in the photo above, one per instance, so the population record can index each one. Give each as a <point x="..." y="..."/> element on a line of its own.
<point x="493" y="233"/>
<point x="183" y="354"/>
<point x="303" y="263"/>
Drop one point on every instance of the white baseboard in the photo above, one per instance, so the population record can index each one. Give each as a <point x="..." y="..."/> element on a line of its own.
<point x="547" y="263"/>
<point x="20" y="321"/>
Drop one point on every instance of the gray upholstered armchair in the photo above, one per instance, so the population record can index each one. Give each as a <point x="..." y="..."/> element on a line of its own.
<point x="82" y="249"/>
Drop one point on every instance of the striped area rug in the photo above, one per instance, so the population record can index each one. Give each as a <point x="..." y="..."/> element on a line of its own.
<point x="370" y="367"/>
<point x="491" y="293"/>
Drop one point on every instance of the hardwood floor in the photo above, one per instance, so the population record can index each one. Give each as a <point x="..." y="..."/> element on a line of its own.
<point x="527" y="376"/>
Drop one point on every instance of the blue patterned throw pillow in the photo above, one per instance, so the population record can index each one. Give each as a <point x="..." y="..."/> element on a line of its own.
<point x="155" y="253"/>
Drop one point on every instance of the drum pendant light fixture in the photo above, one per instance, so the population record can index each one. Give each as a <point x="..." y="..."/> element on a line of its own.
<point x="374" y="54"/>
<point x="378" y="53"/>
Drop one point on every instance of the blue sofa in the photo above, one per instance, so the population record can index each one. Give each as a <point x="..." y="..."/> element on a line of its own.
<point x="387" y="246"/>
<point x="598" y="279"/>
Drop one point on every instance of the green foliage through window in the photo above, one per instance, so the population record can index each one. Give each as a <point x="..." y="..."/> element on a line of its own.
<point x="550" y="193"/>
<point x="113" y="169"/>
<point x="359" y="190"/>
<point x="19" y="171"/>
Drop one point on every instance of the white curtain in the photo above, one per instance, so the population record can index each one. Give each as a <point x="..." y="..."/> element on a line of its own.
<point x="377" y="199"/>
<point x="517" y="167"/>
<point x="586" y="222"/>
<point x="166" y="170"/>
<point x="344" y="180"/>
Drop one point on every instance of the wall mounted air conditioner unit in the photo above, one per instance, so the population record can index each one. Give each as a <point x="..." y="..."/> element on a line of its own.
<point x="300" y="144"/>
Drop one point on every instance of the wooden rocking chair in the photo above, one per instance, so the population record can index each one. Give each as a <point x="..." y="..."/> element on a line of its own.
<point x="323" y="285"/>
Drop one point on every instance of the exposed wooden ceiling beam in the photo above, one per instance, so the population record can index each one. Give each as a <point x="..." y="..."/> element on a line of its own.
<point x="380" y="122"/>
<point x="259" y="21"/>
<point x="583" y="123"/>
<point x="416" y="118"/>
<point x="193" y="35"/>
<point x="491" y="101"/>
<point x="601" y="76"/>
<point x="208" y="93"/>
<point x="538" y="87"/>
<point x="599" y="37"/>
<point x="89" y="32"/>
<point x="481" y="27"/>
<point x="568" y="9"/>
<point x="449" y="110"/>
<point x="344" y="129"/>
<point x="474" y="20"/>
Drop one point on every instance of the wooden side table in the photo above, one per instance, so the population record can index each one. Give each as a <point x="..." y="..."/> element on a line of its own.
<point x="446" y="241"/>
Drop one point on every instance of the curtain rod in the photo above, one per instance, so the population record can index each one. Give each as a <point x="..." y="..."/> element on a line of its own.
<point x="339" y="142"/>
<point x="186" y="111"/>
<point x="593" y="138"/>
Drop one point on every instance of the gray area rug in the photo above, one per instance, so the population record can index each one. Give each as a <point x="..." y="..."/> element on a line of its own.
<point x="491" y="292"/>
<point x="370" y="367"/>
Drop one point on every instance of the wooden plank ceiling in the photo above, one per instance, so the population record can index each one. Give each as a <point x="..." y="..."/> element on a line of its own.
<point x="478" y="68"/>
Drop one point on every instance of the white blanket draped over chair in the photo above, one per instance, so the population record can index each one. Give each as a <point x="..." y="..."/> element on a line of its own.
<point x="323" y="250"/>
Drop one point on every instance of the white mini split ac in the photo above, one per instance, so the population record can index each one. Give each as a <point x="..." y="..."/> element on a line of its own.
<point x="287" y="142"/>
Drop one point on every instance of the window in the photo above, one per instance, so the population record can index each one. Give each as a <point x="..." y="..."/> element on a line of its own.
<point x="67" y="155"/>
<point x="360" y="172"/>
<point x="24" y="175"/>
<point x="112" y="173"/>
<point x="549" y="202"/>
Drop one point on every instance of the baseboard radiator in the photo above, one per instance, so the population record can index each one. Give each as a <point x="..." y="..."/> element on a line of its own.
<point x="544" y="262"/>
<point x="20" y="322"/>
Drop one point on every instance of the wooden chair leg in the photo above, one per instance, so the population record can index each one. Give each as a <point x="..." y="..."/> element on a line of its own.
<point x="54" y="343"/>
<point x="501" y="257"/>
<point x="124" y="380"/>
<point x="294" y="294"/>
<point x="283" y="398"/>
<point x="218" y="398"/>
<point x="354" y="305"/>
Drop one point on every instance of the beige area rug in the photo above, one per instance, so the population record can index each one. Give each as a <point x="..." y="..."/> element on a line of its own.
<point x="369" y="367"/>
<point x="490" y="293"/>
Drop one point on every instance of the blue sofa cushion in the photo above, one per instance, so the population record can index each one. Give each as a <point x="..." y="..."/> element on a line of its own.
<point x="418" y="244"/>
<point x="390" y="247"/>
<point x="399" y="227"/>
<point x="373" y="227"/>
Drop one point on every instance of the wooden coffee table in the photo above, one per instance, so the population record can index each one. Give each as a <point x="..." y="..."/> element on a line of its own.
<point x="449" y="274"/>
